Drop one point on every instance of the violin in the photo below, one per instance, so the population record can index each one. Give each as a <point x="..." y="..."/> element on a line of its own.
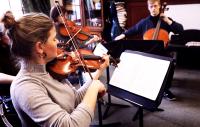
<point x="158" y="33"/>
<point x="66" y="63"/>
<point x="81" y="33"/>
<point x="60" y="68"/>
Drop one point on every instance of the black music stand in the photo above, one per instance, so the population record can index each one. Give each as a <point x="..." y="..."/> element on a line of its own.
<point x="117" y="47"/>
<point x="100" y="122"/>
<point x="145" y="83"/>
<point x="109" y="103"/>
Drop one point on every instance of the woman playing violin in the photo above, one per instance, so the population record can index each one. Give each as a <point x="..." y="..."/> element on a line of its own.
<point x="150" y="22"/>
<point x="58" y="18"/>
<point x="39" y="99"/>
<point x="58" y="14"/>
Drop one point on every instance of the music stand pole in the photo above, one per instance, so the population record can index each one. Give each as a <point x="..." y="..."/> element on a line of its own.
<point x="109" y="103"/>
<point x="100" y="111"/>
<point x="139" y="114"/>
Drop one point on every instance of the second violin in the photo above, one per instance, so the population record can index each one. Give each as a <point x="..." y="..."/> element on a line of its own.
<point x="82" y="33"/>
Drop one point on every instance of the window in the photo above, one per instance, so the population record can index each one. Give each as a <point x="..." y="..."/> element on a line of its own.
<point x="74" y="11"/>
<point x="13" y="5"/>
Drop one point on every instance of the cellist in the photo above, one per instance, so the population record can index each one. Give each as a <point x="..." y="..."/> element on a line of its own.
<point x="150" y="22"/>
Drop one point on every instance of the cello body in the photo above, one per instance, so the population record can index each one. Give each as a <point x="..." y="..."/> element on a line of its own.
<point x="162" y="35"/>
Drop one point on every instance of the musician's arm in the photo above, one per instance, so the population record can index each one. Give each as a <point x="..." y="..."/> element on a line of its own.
<point x="95" y="38"/>
<point x="6" y="79"/>
<point x="121" y="36"/>
<point x="134" y="30"/>
<point x="176" y="27"/>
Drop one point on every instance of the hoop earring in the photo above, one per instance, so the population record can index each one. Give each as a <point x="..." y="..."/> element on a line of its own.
<point x="43" y="55"/>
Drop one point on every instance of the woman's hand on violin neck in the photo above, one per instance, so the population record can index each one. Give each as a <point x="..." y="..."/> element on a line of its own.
<point x="103" y="66"/>
<point x="106" y="62"/>
<point x="96" y="38"/>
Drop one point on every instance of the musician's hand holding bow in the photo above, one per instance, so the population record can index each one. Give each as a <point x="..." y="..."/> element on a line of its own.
<point x="97" y="88"/>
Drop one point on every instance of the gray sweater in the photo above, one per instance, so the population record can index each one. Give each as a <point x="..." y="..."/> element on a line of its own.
<point x="41" y="100"/>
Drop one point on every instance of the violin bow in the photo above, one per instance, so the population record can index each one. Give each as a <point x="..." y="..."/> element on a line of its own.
<point x="74" y="43"/>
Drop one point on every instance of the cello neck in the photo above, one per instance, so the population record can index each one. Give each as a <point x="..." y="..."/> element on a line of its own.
<point x="156" y="32"/>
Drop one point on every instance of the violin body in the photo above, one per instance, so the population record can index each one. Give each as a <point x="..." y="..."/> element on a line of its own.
<point x="61" y="68"/>
<point x="82" y="33"/>
<point x="93" y="62"/>
<point x="162" y="35"/>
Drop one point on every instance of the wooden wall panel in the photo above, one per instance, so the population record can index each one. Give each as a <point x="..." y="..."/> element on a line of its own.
<point x="135" y="11"/>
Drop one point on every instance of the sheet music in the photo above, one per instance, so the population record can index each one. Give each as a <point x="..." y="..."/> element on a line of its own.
<point x="192" y="43"/>
<point x="100" y="50"/>
<point x="140" y="74"/>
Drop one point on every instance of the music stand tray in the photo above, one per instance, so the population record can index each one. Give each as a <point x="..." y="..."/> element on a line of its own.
<point x="140" y="78"/>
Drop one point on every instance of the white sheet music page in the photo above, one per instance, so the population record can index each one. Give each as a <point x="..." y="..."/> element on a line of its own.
<point x="100" y="50"/>
<point x="141" y="75"/>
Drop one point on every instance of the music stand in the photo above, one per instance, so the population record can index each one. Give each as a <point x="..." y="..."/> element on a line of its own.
<point x="100" y="50"/>
<point x="145" y="83"/>
<point x="115" y="49"/>
<point x="109" y="103"/>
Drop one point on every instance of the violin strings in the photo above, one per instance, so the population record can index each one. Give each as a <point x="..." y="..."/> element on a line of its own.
<point x="73" y="36"/>
<point x="75" y="45"/>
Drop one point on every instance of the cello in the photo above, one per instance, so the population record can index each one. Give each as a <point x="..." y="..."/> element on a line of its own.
<point x="158" y="33"/>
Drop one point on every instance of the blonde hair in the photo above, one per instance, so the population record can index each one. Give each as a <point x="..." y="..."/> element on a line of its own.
<point x="153" y="1"/>
<point x="27" y="31"/>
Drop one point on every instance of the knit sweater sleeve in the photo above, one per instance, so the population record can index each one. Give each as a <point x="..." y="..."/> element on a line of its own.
<point x="80" y="93"/>
<point x="136" y="29"/>
<point x="176" y="27"/>
<point x="44" y="111"/>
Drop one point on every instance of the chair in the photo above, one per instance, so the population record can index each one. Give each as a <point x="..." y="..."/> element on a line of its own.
<point x="7" y="112"/>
